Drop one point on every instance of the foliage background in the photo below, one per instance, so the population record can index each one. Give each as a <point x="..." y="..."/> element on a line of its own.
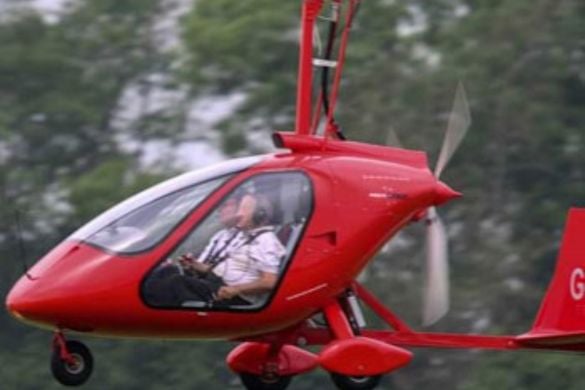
<point x="96" y="100"/>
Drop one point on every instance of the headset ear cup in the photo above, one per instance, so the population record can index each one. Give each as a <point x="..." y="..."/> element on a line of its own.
<point x="262" y="213"/>
<point x="259" y="216"/>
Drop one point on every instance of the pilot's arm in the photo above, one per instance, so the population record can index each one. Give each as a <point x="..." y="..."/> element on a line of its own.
<point x="265" y="283"/>
<point x="188" y="260"/>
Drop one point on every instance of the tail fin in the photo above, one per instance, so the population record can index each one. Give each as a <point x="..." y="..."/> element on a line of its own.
<point x="561" y="319"/>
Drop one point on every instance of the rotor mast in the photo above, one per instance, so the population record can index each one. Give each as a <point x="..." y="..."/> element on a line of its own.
<point x="310" y="12"/>
<point x="307" y="118"/>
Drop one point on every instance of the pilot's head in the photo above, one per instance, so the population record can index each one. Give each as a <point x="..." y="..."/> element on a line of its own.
<point x="228" y="211"/>
<point x="254" y="210"/>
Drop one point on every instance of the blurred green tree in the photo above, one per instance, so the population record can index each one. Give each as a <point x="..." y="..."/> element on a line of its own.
<point x="522" y="166"/>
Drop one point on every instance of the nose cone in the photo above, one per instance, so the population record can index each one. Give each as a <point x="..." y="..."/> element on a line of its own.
<point x="12" y="303"/>
<point x="20" y="301"/>
<point x="444" y="193"/>
<point x="46" y="303"/>
<point x="26" y="302"/>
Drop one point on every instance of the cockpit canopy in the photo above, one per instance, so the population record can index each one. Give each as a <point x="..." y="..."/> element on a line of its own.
<point x="282" y="203"/>
<point x="142" y="221"/>
<point x="250" y="234"/>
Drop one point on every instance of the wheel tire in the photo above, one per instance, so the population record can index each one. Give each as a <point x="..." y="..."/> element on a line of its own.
<point x="257" y="382"/>
<point x="344" y="382"/>
<point x="72" y="374"/>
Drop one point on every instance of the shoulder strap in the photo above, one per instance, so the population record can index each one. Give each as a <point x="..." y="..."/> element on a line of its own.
<point x="256" y="234"/>
<point x="250" y="239"/>
<point x="214" y="254"/>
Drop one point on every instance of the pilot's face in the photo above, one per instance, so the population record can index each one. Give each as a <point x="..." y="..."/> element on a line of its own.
<point x="245" y="212"/>
<point x="227" y="213"/>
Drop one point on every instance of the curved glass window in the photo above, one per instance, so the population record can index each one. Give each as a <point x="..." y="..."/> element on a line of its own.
<point x="147" y="225"/>
<point x="146" y="218"/>
<point x="235" y="258"/>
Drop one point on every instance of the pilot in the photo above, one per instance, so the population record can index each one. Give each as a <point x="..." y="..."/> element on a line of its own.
<point x="220" y="241"/>
<point x="240" y="264"/>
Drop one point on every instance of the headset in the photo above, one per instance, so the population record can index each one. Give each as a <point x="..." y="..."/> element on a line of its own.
<point x="262" y="210"/>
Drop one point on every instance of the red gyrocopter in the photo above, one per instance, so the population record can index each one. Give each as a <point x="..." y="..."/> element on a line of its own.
<point x="333" y="205"/>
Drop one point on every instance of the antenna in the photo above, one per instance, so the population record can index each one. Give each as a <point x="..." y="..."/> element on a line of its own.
<point x="21" y="246"/>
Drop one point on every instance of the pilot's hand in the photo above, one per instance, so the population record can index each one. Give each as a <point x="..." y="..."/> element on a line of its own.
<point x="227" y="292"/>
<point x="186" y="260"/>
<point x="199" y="267"/>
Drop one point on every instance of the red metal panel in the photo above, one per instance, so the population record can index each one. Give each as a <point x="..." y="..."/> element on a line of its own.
<point x="361" y="356"/>
<point x="253" y="357"/>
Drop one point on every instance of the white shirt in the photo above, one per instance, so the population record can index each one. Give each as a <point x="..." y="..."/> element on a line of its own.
<point x="247" y="255"/>
<point x="219" y="244"/>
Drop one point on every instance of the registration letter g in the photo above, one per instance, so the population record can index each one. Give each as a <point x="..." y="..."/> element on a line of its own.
<point x="578" y="284"/>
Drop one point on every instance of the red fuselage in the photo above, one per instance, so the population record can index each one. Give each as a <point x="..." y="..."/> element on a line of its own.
<point x="362" y="195"/>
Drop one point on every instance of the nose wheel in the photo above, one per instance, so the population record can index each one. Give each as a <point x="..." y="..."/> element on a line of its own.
<point x="71" y="361"/>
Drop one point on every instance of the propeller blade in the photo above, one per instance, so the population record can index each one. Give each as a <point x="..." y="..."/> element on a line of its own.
<point x="459" y="122"/>
<point x="436" y="294"/>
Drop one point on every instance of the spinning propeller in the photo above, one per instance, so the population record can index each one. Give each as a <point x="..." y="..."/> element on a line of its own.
<point x="436" y="290"/>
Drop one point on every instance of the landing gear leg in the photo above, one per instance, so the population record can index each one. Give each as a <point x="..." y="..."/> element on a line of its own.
<point x="359" y="354"/>
<point x="71" y="361"/>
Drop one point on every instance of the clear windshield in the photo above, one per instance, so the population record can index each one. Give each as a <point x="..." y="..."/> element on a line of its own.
<point x="146" y="218"/>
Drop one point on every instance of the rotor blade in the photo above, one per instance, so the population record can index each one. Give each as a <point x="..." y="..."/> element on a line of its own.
<point x="436" y="294"/>
<point x="459" y="121"/>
